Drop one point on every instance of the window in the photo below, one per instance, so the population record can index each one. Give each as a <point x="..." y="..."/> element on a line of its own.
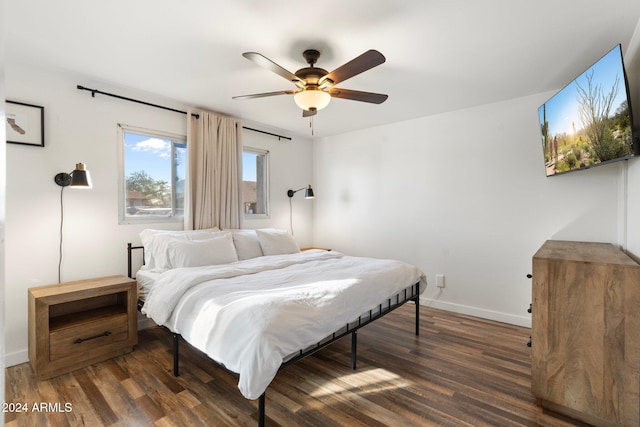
<point x="153" y="176"/>
<point x="255" y="183"/>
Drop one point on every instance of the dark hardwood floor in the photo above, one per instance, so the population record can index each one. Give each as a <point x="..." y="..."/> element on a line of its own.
<point x="460" y="371"/>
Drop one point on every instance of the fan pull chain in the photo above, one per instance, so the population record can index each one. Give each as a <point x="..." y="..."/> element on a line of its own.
<point x="311" y="124"/>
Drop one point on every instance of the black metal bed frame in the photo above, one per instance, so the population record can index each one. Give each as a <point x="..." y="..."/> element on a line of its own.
<point x="410" y="293"/>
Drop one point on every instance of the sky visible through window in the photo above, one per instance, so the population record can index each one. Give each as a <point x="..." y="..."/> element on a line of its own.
<point x="152" y="155"/>
<point x="249" y="166"/>
<point x="562" y="109"/>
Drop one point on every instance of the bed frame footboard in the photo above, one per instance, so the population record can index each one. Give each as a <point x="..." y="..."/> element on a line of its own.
<point x="411" y="293"/>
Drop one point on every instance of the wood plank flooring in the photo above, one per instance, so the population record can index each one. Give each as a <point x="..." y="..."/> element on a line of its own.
<point x="460" y="371"/>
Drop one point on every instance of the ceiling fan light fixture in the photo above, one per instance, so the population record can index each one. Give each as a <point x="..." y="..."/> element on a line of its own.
<point x="309" y="99"/>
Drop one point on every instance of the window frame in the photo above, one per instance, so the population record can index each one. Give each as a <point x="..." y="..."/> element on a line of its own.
<point x="265" y="177"/>
<point x="176" y="139"/>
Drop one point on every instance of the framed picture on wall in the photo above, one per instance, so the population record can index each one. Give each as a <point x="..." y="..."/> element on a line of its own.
<point x="25" y="124"/>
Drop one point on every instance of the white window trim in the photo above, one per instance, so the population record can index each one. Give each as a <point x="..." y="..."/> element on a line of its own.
<point x="122" y="218"/>
<point x="267" y="186"/>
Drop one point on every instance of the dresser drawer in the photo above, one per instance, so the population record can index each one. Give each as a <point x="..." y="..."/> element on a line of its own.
<point x="88" y="337"/>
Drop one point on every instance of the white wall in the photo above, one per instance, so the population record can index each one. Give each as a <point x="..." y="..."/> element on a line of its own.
<point x="463" y="194"/>
<point x="79" y="128"/>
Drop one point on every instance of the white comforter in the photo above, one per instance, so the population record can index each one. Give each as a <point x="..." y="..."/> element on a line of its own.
<point x="251" y="314"/>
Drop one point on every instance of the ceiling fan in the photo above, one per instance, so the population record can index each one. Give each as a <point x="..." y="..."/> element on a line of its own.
<point x="315" y="86"/>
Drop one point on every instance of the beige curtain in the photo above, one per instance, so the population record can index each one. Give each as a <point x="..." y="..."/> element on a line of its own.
<point x="213" y="197"/>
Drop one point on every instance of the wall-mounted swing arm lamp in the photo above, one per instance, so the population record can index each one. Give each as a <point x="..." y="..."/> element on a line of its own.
<point x="308" y="192"/>
<point x="78" y="178"/>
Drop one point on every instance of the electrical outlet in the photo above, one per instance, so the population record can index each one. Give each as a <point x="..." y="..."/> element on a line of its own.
<point x="440" y="280"/>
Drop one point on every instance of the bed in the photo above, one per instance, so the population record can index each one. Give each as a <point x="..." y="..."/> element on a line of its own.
<point x="254" y="303"/>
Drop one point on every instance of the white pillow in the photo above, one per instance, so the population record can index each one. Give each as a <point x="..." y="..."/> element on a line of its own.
<point x="198" y="253"/>
<point x="155" y="244"/>
<point x="247" y="244"/>
<point x="276" y="242"/>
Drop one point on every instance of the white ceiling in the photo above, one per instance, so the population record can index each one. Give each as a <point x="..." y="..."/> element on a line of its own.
<point x="441" y="55"/>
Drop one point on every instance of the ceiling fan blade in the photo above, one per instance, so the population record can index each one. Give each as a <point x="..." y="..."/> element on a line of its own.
<point x="364" y="62"/>
<point x="309" y="113"/>
<point x="356" y="95"/>
<point x="265" y="62"/>
<point x="262" y="95"/>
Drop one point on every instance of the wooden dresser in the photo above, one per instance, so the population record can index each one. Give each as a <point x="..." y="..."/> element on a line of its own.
<point x="76" y="324"/>
<point x="585" y="352"/>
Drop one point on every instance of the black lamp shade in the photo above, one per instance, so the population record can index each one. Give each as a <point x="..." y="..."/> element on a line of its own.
<point x="308" y="193"/>
<point x="80" y="176"/>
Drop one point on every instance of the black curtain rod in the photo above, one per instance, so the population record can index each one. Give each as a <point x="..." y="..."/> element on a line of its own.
<point x="267" y="133"/>
<point x="197" y="116"/>
<point x="94" y="91"/>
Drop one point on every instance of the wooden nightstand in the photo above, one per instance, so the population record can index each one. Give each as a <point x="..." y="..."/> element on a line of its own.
<point x="76" y="324"/>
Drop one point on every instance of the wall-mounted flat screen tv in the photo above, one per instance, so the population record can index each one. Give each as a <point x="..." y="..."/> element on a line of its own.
<point x="589" y="121"/>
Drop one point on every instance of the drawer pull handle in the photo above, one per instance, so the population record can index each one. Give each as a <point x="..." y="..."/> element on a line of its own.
<point x="81" y="340"/>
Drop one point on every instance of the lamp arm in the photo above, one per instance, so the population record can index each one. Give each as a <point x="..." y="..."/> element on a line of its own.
<point x="290" y="193"/>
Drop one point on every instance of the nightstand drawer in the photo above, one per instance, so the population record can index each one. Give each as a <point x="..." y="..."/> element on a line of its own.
<point x="88" y="337"/>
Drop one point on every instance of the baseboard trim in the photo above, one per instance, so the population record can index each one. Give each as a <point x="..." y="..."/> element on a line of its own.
<point x="478" y="312"/>
<point x="16" y="358"/>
